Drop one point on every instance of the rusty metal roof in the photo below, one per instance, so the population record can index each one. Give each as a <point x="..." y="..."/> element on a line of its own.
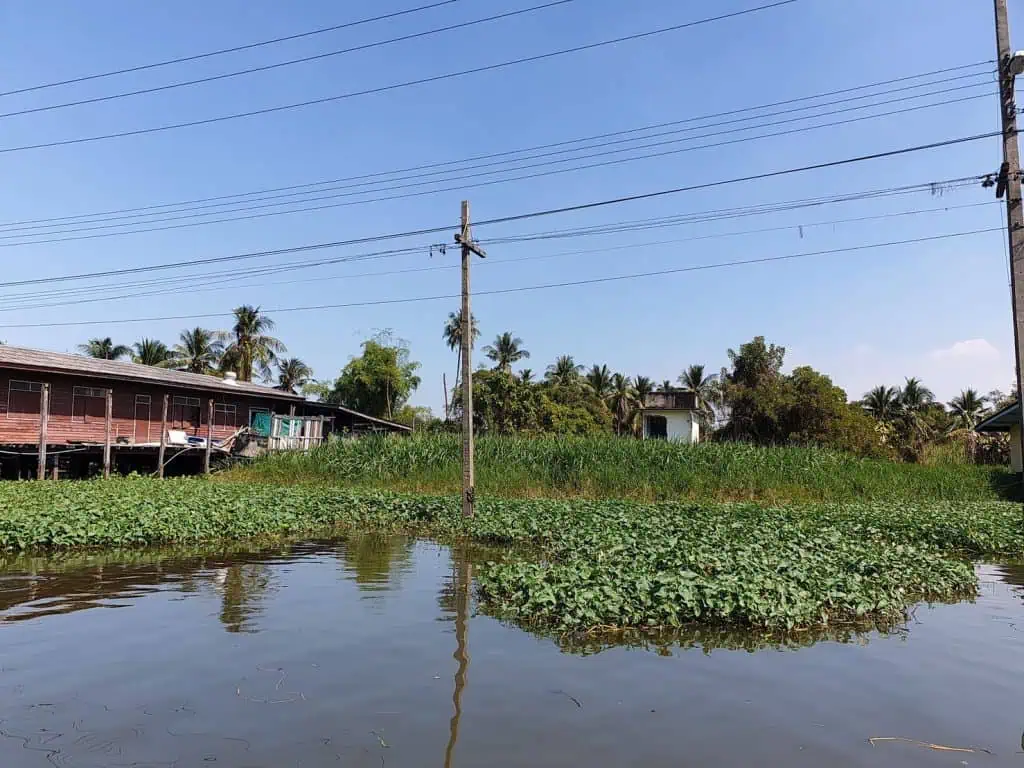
<point x="671" y="400"/>
<point x="22" y="358"/>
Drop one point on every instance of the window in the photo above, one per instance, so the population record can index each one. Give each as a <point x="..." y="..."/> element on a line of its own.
<point x="88" y="404"/>
<point x="24" y="398"/>
<point x="656" y="427"/>
<point x="143" y="400"/>
<point x="225" y="415"/>
<point x="186" y="413"/>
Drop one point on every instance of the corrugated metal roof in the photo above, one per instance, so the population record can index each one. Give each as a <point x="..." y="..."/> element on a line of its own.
<point x="57" y="362"/>
<point x="1001" y="421"/>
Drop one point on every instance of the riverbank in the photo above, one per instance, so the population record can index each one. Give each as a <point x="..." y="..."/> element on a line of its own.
<point x="608" y="563"/>
<point x="641" y="470"/>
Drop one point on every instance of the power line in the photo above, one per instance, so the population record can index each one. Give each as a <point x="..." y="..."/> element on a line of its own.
<point x="277" y="65"/>
<point x="521" y="216"/>
<point x="396" y="86"/>
<point x="563" y="143"/>
<point x="519" y="289"/>
<point x="629" y="225"/>
<point x="218" y="285"/>
<point x="760" y="123"/>
<point x="234" y="49"/>
<point x="459" y="187"/>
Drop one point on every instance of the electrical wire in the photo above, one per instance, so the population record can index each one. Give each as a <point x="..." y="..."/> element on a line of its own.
<point x="277" y="65"/>
<point x="518" y="289"/>
<point x="563" y="143"/>
<point x="759" y="121"/>
<point x="222" y="51"/>
<point x="519" y="217"/>
<point x="462" y="186"/>
<point x="696" y="217"/>
<point x="232" y="278"/>
<point x="396" y="86"/>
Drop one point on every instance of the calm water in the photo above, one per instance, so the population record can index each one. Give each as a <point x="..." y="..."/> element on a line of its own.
<point x="366" y="652"/>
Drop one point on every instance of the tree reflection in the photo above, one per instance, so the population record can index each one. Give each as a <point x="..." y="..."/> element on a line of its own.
<point x="374" y="560"/>
<point x="242" y="589"/>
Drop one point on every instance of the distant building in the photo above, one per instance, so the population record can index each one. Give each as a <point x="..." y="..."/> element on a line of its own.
<point x="1007" y="420"/>
<point x="671" y="415"/>
<point x="77" y="388"/>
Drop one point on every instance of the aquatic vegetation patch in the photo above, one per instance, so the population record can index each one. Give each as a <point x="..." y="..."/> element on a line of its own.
<point x="578" y="564"/>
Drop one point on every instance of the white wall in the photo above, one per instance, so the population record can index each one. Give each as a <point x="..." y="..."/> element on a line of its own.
<point x="682" y="425"/>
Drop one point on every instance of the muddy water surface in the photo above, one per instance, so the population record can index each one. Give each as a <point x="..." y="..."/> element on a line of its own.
<point x="367" y="651"/>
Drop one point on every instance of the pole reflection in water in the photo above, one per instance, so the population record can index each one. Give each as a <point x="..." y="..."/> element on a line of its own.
<point x="463" y="575"/>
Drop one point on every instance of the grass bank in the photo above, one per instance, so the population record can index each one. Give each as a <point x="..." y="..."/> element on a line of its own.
<point x="597" y="468"/>
<point x="607" y="563"/>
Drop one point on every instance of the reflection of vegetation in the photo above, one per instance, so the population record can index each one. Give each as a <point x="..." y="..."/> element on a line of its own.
<point x="375" y="559"/>
<point x="242" y="592"/>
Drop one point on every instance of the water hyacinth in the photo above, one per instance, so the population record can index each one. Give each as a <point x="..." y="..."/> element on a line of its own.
<point x="578" y="564"/>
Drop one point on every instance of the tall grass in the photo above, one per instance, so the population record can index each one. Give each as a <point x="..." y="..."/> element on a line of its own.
<point x="624" y="468"/>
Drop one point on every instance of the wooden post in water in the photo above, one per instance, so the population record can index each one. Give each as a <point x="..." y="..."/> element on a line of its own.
<point x="209" y="436"/>
<point x="44" y="420"/>
<point x="108" y="426"/>
<point x="163" y="439"/>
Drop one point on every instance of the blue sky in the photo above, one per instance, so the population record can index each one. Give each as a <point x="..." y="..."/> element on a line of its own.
<point x="939" y="310"/>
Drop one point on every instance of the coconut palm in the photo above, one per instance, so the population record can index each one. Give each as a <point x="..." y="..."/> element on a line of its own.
<point x="599" y="379"/>
<point x="642" y="387"/>
<point x="666" y="385"/>
<point x="198" y="351"/>
<point x="151" y="352"/>
<point x="526" y="375"/>
<point x="915" y="396"/>
<point x="452" y="335"/>
<point x="621" y="401"/>
<point x="564" y="371"/>
<point x="247" y="344"/>
<point x="292" y="374"/>
<point x="882" y="402"/>
<point x="506" y="350"/>
<point x="967" y="408"/>
<point x="104" y="349"/>
<point x="705" y="387"/>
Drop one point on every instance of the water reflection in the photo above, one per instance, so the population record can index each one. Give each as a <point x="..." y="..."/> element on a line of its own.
<point x="357" y="651"/>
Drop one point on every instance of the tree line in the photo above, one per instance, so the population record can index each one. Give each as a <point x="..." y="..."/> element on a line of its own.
<point x="247" y="349"/>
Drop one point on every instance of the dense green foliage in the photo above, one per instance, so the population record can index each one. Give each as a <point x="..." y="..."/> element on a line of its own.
<point x="583" y="564"/>
<point x="379" y="381"/>
<point x="606" y="467"/>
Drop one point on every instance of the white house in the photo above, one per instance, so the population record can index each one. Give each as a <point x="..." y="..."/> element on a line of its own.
<point x="671" y="415"/>
<point x="1007" y="420"/>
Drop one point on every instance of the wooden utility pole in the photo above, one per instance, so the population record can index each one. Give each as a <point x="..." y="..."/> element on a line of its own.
<point x="444" y="385"/>
<point x="209" y="435"/>
<point x="469" y="247"/>
<point x="108" y="424"/>
<point x="1009" y="183"/>
<point x="44" y="420"/>
<point x="163" y="439"/>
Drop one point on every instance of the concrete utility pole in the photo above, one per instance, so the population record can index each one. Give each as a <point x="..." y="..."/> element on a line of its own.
<point x="1010" y="65"/>
<point x="469" y="247"/>
<point x="44" y="420"/>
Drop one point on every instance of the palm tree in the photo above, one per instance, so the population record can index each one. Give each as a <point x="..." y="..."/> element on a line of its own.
<point x="248" y="345"/>
<point x="526" y="375"/>
<point x="151" y="352"/>
<point x="452" y="335"/>
<point x="198" y="351"/>
<point x="666" y="385"/>
<point x="967" y="408"/>
<point x="621" y="401"/>
<point x="506" y="350"/>
<point x="915" y="396"/>
<point x="104" y="349"/>
<point x="292" y="374"/>
<point x="642" y="387"/>
<point x="882" y="402"/>
<point x="705" y="389"/>
<point x="599" y="379"/>
<point x="564" y="371"/>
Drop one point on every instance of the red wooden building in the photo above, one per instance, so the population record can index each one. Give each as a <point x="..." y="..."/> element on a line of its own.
<point x="76" y="422"/>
